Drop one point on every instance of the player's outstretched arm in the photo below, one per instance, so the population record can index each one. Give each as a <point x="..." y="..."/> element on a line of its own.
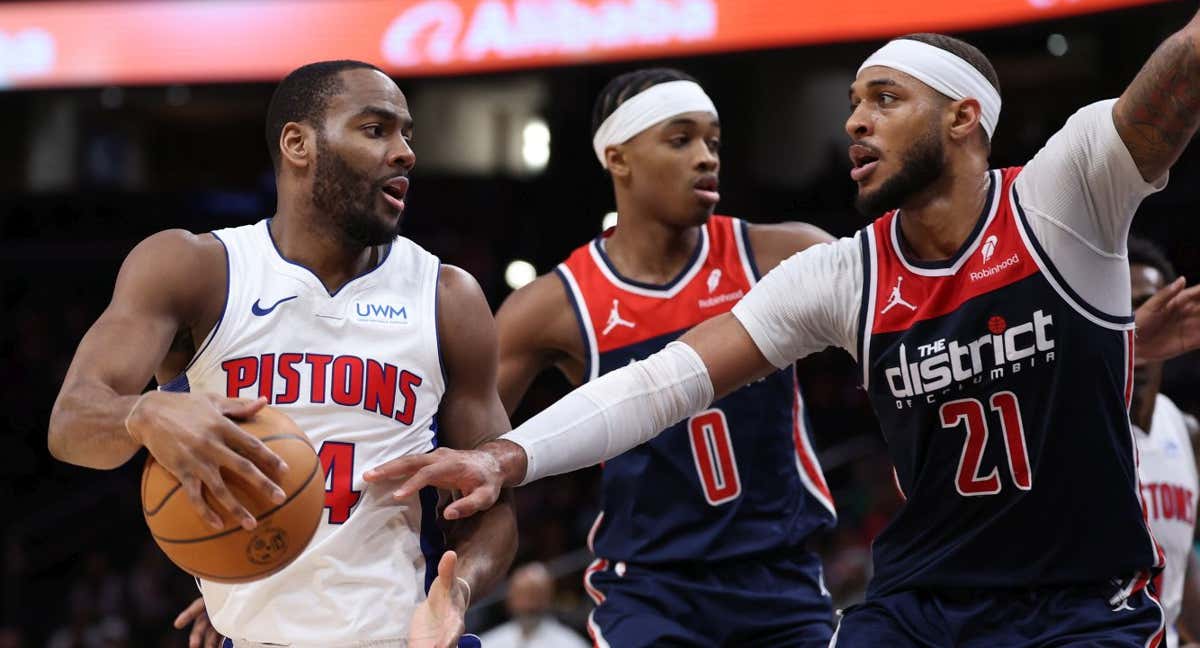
<point x="1158" y="113"/>
<point x="801" y="307"/>
<point x="1168" y="324"/>
<point x="101" y="418"/>
<point x="598" y="421"/>
<point x="469" y="415"/>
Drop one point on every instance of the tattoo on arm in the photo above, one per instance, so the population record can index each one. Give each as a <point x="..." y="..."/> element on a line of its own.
<point x="1159" y="112"/>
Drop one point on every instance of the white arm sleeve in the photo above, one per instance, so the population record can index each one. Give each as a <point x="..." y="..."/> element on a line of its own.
<point x="616" y="412"/>
<point x="1080" y="193"/>
<point x="807" y="303"/>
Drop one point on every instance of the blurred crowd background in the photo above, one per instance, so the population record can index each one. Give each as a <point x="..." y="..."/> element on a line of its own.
<point x="504" y="172"/>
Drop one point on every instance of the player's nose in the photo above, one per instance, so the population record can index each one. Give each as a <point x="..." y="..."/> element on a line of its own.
<point x="402" y="154"/>
<point x="858" y="124"/>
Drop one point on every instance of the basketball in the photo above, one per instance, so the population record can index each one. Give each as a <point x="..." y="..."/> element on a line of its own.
<point x="232" y="554"/>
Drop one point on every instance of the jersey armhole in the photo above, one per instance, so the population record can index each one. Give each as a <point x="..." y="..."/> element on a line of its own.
<point x="591" y="359"/>
<point x="741" y="233"/>
<point x="1054" y="277"/>
<point x="866" y="308"/>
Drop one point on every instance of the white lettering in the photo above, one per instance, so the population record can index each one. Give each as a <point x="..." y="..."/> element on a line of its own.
<point x="999" y="267"/>
<point x="437" y="31"/>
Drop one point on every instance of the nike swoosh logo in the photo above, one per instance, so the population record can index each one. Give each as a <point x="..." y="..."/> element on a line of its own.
<point x="260" y="311"/>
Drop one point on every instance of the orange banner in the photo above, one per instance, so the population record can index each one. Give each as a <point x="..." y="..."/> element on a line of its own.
<point x="115" y="42"/>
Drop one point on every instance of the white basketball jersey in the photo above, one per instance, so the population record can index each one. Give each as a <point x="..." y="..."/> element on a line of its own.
<point x="1167" y="472"/>
<point x="360" y="372"/>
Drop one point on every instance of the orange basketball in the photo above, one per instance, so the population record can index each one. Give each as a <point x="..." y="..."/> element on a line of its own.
<point x="232" y="554"/>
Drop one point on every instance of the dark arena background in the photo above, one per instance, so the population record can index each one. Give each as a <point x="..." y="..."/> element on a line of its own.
<point x="100" y="146"/>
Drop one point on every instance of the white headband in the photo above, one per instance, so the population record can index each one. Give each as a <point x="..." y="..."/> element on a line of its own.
<point x="647" y="108"/>
<point x="942" y="71"/>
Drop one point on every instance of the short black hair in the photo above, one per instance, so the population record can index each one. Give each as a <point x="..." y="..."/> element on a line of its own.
<point x="963" y="50"/>
<point x="303" y="96"/>
<point x="1145" y="252"/>
<point x="621" y="88"/>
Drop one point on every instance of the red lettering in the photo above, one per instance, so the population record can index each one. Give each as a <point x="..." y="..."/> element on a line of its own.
<point x="291" y="377"/>
<point x="1153" y="498"/>
<point x="347" y="382"/>
<point x="408" y="380"/>
<point x="1166" y="498"/>
<point x="1181" y="502"/>
<point x="1191" y="506"/>
<point x="318" y="361"/>
<point x="239" y="374"/>
<point x="266" y="376"/>
<point x="337" y="459"/>
<point x="380" y="395"/>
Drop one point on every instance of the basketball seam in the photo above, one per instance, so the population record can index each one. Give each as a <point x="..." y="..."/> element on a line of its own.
<point x="316" y="465"/>
<point x="152" y="512"/>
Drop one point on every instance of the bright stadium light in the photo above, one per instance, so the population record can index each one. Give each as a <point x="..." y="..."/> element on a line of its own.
<point x="610" y="220"/>
<point x="535" y="145"/>
<point x="519" y="273"/>
<point x="1057" y="44"/>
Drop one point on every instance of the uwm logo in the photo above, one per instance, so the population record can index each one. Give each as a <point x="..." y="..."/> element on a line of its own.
<point x="369" y="312"/>
<point x="345" y="380"/>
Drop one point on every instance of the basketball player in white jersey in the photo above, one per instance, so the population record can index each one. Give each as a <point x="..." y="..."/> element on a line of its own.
<point x="357" y="333"/>
<point x="1167" y="466"/>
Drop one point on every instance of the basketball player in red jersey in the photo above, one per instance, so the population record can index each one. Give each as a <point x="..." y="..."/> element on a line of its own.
<point x="738" y="515"/>
<point x="293" y="287"/>
<point x="1008" y="302"/>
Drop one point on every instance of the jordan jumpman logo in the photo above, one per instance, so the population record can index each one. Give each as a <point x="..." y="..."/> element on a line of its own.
<point x="895" y="298"/>
<point x="614" y="320"/>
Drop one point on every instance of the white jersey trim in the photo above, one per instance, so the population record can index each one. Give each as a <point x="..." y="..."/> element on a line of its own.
<point x="871" y="266"/>
<point x="1046" y="271"/>
<point x="672" y="289"/>
<point x="585" y="321"/>
<point x="963" y="254"/>
<point x="745" y="254"/>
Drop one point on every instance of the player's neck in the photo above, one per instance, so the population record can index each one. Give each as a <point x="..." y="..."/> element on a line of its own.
<point x="936" y="222"/>
<point x="327" y="254"/>
<point x="650" y="251"/>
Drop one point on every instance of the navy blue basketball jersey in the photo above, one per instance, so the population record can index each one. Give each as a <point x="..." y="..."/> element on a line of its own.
<point x="737" y="479"/>
<point x="1004" y="400"/>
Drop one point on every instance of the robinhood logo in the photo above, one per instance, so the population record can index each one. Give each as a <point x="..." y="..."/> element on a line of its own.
<point x="442" y="31"/>
<point x="26" y="53"/>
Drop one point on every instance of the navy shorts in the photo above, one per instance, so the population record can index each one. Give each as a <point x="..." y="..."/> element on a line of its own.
<point x="1082" y="617"/>
<point x="775" y="602"/>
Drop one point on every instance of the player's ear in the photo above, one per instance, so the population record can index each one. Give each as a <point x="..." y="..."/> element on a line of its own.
<point x="297" y="144"/>
<point x="964" y="115"/>
<point x="618" y="166"/>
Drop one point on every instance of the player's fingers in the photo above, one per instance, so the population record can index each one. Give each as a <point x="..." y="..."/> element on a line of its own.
<point x="247" y="471"/>
<point x="212" y="639"/>
<point x="1185" y="299"/>
<point x="220" y="490"/>
<point x="400" y="468"/>
<point x="196" y="637"/>
<point x="240" y="408"/>
<point x="253" y="448"/>
<point x="1161" y="298"/>
<point x="447" y="566"/>
<point x="193" y="487"/>
<point x="471" y="503"/>
<point x="189" y="613"/>
<point x="442" y="474"/>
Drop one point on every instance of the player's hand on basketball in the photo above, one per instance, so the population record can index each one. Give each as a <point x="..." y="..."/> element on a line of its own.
<point x="438" y="621"/>
<point x="203" y="635"/>
<point x="194" y="437"/>
<point x="476" y="474"/>
<point x="1168" y="324"/>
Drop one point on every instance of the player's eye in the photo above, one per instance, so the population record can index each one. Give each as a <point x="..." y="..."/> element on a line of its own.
<point x="714" y="145"/>
<point x="886" y="98"/>
<point x="373" y="130"/>
<point x="679" y="141"/>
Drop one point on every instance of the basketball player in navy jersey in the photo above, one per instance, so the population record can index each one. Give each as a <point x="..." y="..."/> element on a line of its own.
<point x="1166" y="463"/>
<point x="736" y="489"/>
<point x="1001" y="382"/>
<point x="338" y="133"/>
